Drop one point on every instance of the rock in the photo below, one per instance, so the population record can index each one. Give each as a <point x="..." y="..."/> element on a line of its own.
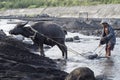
<point x="69" y="39"/>
<point x="18" y="63"/>
<point x="81" y="73"/>
<point x="93" y="56"/>
<point x="73" y="39"/>
<point x="76" y="38"/>
<point x="44" y="15"/>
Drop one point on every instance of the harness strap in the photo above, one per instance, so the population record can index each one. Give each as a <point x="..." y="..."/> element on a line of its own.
<point x="35" y="32"/>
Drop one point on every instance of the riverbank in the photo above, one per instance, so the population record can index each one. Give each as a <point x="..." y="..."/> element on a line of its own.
<point x="98" y="11"/>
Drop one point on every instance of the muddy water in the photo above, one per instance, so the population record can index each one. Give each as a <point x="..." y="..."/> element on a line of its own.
<point x="109" y="69"/>
<point x="106" y="68"/>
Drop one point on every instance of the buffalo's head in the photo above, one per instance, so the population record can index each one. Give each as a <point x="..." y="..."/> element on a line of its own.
<point x="20" y="29"/>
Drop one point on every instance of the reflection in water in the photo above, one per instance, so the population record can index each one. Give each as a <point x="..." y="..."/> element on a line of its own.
<point x="108" y="68"/>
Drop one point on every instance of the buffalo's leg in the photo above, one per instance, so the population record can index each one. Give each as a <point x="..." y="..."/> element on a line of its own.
<point x="41" y="50"/>
<point x="63" y="48"/>
<point x="65" y="51"/>
<point x="35" y="47"/>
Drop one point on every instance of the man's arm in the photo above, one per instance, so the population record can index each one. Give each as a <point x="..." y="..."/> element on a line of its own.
<point x="110" y="35"/>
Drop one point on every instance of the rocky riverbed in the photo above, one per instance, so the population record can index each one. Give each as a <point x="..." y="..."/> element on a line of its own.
<point x="18" y="63"/>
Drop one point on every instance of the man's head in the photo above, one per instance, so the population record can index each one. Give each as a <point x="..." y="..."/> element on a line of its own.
<point x="104" y="23"/>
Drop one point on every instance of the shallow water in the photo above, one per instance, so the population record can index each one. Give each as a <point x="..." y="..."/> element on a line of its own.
<point x="109" y="68"/>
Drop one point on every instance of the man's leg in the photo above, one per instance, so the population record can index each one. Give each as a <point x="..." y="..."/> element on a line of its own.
<point x="108" y="50"/>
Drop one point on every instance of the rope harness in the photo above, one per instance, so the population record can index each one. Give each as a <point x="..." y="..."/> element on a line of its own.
<point x="35" y="32"/>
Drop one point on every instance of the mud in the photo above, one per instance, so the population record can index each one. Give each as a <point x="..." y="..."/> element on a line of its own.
<point x="18" y="63"/>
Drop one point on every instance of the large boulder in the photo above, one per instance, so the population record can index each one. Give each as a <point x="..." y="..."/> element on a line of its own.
<point x="81" y="73"/>
<point x="18" y="63"/>
<point x="70" y="39"/>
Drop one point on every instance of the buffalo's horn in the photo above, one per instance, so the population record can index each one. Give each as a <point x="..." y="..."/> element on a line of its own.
<point x="23" y="24"/>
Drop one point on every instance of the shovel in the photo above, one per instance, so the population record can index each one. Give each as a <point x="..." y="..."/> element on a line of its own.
<point x="95" y="55"/>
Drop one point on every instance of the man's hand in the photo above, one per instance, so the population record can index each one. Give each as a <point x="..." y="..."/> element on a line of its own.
<point x="99" y="45"/>
<point x="102" y="39"/>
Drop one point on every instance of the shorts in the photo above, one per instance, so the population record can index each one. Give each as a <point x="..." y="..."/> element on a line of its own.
<point x="110" y="46"/>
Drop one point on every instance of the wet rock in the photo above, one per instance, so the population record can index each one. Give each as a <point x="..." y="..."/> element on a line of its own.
<point x="44" y="15"/>
<point x="93" y="56"/>
<point x="18" y="63"/>
<point x="81" y="73"/>
<point x="76" y="38"/>
<point x="69" y="39"/>
<point x="73" y="39"/>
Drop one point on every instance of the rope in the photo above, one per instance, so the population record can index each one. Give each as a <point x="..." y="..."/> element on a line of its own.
<point x="35" y="32"/>
<point x="101" y="50"/>
<point x="95" y="49"/>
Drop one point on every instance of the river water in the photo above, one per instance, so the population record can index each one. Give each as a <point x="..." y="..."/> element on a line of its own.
<point x="108" y="68"/>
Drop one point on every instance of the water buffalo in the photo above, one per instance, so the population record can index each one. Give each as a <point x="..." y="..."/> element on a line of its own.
<point x="43" y="33"/>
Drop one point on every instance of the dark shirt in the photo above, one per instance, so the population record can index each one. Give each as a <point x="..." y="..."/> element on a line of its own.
<point x="108" y="35"/>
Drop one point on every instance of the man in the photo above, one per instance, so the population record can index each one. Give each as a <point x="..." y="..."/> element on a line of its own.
<point x="108" y="37"/>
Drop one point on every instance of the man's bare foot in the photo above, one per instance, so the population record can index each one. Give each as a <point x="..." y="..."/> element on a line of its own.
<point x="107" y="57"/>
